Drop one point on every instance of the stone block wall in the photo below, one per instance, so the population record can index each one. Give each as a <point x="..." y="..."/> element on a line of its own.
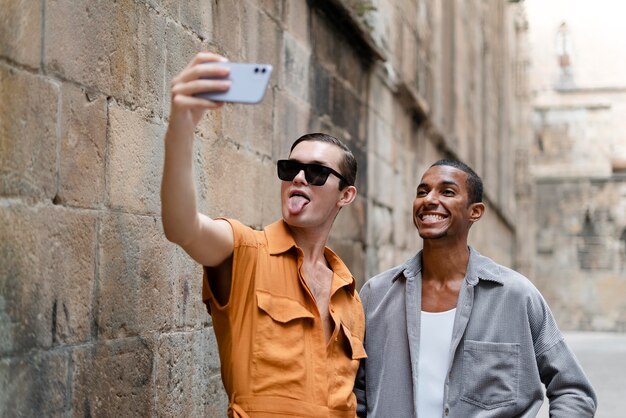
<point x="99" y="314"/>
<point x="453" y="86"/>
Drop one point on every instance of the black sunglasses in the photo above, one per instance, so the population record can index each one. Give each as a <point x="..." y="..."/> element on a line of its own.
<point x="315" y="174"/>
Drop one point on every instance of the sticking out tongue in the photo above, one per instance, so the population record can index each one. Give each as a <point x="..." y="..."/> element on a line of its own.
<point x="296" y="204"/>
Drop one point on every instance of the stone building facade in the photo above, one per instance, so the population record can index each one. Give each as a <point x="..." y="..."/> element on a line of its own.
<point x="579" y="160"/>
<point x="99" y="314"/>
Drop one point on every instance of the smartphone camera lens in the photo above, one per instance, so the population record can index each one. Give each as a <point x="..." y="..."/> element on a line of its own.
<point x="256" y="70"/>
<point x="263" y="70"/>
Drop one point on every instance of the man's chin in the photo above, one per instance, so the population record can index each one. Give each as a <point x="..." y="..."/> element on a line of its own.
<point x="296" y="221"/>
<point x="432" y="235"/>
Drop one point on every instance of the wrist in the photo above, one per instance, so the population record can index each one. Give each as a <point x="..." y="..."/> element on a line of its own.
<point x="179" y="130"/>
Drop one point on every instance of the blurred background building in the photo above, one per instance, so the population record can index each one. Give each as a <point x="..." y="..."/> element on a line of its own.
<point x="578" y="83"/>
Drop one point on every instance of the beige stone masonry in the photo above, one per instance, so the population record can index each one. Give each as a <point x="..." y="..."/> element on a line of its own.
<point x="28" y="134"/>
<point x="47" y="276"/>
<point x="20" y="31"/>
<point x="83" y="147"/>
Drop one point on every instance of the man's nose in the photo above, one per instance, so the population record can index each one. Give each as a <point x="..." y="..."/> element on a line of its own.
<point x="300" y="177"/>
<point x="431" y="198"/>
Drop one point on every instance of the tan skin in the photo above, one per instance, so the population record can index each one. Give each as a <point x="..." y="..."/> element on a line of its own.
<point x="443" y="216"/>
<point x="319" y="277"/>
<point x="210" y="241"/>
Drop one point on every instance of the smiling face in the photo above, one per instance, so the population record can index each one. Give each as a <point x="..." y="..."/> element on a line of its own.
<point x="306" y="205"/>
<point x="441" y="210"/>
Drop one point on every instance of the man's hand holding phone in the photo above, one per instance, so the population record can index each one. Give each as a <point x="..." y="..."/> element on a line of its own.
<point x="209" y="80"/>
<point x="196" y="78"/>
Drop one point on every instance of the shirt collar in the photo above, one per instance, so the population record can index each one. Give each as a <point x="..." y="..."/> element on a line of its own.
<point x="482" y="268"/>
<point x="479" y="268"/>
<point x="341" y="271"/>
<point x="280" y="240"/>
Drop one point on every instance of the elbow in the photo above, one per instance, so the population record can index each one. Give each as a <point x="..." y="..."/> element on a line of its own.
<point x="173" y="234"/>
<point x="169" y="234"/>
<point x="180" y="229"/>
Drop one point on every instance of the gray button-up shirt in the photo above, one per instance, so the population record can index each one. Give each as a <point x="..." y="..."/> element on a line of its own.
<point x="505" y="343"/>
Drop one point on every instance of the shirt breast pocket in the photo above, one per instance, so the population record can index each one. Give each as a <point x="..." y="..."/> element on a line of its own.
<point x="279" y="342"/>
<point x="355" y="346"/>
<point x="490" y="373"/>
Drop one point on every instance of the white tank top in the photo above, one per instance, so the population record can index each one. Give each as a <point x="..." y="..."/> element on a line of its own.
<point x="435" y="342"/>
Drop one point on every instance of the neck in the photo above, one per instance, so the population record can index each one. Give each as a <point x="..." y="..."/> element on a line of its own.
<point x="444" y="262"/>
<point x="312" y="242"/>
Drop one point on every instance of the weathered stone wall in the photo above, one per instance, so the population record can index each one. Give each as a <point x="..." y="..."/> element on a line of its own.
<point x="461" y="93"/>
<point x="99" y="314"/>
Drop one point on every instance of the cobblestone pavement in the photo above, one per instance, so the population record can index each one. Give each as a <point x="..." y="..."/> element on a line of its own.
<point x="603" y="357"/>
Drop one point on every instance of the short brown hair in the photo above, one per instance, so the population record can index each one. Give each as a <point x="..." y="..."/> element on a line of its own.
<point x="348" y="164"/>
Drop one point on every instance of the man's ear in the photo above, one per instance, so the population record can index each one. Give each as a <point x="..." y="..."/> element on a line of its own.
<point x="348" y="194"/>
<point x="476" y="211"/>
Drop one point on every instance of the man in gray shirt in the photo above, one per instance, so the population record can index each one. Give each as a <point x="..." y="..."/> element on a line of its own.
<point x="497" y="340"/>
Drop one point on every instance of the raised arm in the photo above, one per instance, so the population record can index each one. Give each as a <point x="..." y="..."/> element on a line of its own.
<point x="208" y="241"/>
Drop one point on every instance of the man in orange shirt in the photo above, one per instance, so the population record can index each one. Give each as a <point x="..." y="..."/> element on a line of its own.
<point x="288" y="321"/>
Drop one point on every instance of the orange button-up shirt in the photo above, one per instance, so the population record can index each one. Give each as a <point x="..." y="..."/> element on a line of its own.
<point x="275" y="358"/>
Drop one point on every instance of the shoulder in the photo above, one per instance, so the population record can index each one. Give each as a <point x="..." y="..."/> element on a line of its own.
<point x="484" y="268"/>
<point x="517" y="293"/>
<point x="243" y="235"/>
<point x="380" y="285"/>
<point x="383" y="280"/>
<point x="488" y="270"/>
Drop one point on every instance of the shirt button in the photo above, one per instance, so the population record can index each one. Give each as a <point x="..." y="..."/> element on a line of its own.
<point x="446" y="411"/>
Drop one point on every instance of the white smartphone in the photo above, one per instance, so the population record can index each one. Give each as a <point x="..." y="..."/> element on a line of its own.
<point x="249" y="83"/>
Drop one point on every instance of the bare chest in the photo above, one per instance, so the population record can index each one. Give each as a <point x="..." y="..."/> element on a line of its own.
<point x="319" y="283"/>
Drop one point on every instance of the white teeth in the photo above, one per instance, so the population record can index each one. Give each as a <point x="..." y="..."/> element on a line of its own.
<point x="431" y="218"/>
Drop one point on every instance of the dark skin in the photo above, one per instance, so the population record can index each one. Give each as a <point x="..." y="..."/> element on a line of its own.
<point x="443" y="216"/>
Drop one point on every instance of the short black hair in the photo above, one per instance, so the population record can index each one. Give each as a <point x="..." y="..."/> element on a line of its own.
<point x="347" y="166"/>
<point x="474" y="182"/>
